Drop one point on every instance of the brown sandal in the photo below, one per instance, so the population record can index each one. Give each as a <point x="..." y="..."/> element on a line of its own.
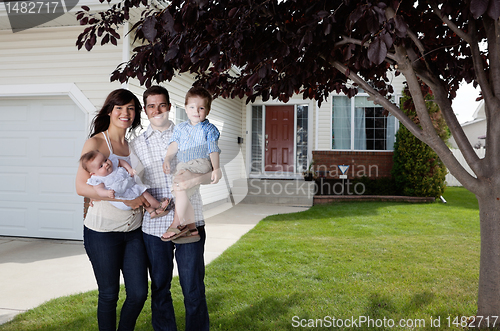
<point x="189" y="237"/>
<point x="162" y="211"/>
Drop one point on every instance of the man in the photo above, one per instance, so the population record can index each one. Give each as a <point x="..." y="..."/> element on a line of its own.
<point x="151" y="148"/>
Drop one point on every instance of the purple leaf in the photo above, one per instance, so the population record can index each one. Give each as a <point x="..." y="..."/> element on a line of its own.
<point x="494" y="9"/>
<point x="478" y="7"/>
<point x="386" y="37"/>
<point x="377" y="51"/>
<point x="105" y="40"/>
<point x="253" y="80"/>
<point x="232" y="12"/>
<point x="88" y="45"/>
<point x="148" y="29"/>
<point x="172" y="53"/>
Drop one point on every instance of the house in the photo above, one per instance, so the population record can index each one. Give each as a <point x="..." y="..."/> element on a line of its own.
<point x="50" y="91"/>
<point x="475" y="130"/>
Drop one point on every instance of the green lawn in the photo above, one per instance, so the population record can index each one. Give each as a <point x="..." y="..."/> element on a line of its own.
<point x="356" y="261"/>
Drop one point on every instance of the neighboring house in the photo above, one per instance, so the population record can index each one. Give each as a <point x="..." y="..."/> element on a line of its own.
<point x="50" y="91"/>
<point x="475" y="130"/>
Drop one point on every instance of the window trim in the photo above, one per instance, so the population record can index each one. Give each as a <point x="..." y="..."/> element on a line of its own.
<point x="360" y="94"/>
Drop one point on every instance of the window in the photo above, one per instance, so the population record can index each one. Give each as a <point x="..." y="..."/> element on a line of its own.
<point x="359" y="124"/>
<point x="301" y="140"/>
<point x="256" y="139"/>
<point x="180" y="115"/>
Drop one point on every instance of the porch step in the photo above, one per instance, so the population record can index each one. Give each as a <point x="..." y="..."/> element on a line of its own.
<point x="271" y="191"/>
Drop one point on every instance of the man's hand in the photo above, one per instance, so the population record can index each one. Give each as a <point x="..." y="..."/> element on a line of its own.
<point x="185" y="180"/>
<point x="137" y="202"/>
<point x="216" y="176"/>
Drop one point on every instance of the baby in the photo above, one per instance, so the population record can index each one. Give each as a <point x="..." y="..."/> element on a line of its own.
<point x="112" y="178"/>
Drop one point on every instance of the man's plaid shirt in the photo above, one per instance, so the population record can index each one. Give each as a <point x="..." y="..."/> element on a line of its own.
<point x="151" y="148"/>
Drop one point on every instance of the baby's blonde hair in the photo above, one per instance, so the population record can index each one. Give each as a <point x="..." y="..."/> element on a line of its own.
<point x="88" y="157"/>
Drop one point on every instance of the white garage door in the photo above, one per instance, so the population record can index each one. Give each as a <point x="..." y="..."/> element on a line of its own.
<point x="40" y="144"/>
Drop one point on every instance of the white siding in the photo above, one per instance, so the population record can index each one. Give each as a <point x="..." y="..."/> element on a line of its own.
<point x="49" y="55"/>
<point x="325" y="126"/>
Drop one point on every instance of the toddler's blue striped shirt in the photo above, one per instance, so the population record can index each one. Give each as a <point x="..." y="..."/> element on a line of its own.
<point x="195" y="142"/>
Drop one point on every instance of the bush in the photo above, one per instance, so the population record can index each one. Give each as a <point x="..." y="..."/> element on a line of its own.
<point x="417" y="170"/>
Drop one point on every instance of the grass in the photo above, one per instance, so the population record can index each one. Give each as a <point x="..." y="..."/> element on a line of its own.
<point x="347" y="260"/>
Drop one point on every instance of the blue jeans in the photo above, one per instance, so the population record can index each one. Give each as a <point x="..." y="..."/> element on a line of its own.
<point x="110" y="252"/>
<point x="191" y="267"/>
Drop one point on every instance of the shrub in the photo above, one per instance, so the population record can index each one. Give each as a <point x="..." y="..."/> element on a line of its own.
<point x="417" y="170"/>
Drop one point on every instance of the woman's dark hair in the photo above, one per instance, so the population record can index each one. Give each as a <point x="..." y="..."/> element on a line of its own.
<point x="119" y="97"/>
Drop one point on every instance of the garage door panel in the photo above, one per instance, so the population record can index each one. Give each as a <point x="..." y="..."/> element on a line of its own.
<point x="60" y="221"/>
<point x="58" y="218"/>
<point x="41" y="151"/>
<point x="13" y="147"/>
<point x="40" y="144"/>
<point x="58" y="186"/>
<point x="49" y="115"/>
<point x="13" y="218"/>
<point x="13" y="183"/>
<point x="32" y="184"/>
<point x="13" y="114"/>
<point x="66" y="149"/>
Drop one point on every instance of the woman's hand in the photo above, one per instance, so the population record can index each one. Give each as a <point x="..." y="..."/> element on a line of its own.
<point x="137" y="202"/>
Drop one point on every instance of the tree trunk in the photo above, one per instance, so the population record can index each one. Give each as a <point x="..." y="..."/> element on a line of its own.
<point x="488" y="304"/>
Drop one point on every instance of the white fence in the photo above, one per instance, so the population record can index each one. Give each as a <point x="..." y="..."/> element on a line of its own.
<point x="452" y="181"/>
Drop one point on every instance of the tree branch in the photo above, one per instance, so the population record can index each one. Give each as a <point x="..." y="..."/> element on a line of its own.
<point x="450" y="24"/>
<point x="477" y="61"/>
<point x="406" y="67"/>
<point x="492" y="31"/>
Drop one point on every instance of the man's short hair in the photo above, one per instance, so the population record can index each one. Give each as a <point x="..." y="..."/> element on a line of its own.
<point x="155" y="90"/>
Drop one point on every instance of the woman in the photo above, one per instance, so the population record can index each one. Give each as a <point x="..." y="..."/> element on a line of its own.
<point x="113" y="237"/>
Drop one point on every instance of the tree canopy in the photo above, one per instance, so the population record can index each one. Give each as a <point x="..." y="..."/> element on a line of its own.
<point x="310" y="47"/>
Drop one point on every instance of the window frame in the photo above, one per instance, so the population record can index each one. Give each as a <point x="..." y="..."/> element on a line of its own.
<point x="352" y="124"/>
<point x="180" y="110"/>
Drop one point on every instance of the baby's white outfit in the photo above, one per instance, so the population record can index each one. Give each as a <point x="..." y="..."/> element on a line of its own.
<point x="119" y="180"/>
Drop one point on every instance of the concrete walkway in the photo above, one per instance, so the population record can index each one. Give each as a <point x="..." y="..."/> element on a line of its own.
<point x="37" y="270"/>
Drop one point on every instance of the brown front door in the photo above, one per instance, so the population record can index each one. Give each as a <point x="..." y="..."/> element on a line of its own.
<point x="279" y="138"/>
